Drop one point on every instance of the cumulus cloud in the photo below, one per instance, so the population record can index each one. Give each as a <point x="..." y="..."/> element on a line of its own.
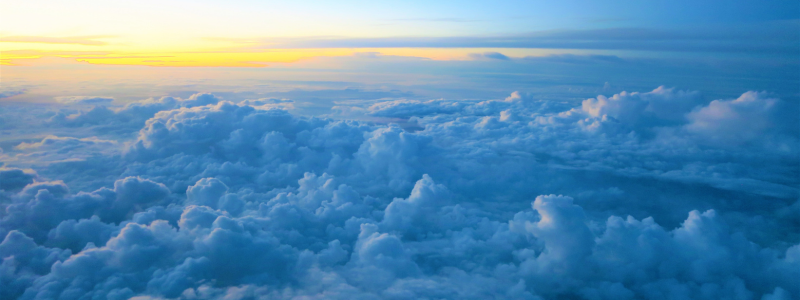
<point x="753" y="117"/>
<point x="129" y="117"/>
<point x="638" y="195"/>
<point x="14" y="179"/>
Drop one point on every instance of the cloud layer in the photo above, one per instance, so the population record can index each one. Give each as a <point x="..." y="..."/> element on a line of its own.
<point x="777" y="38"/>
<point x="639" y="195"/>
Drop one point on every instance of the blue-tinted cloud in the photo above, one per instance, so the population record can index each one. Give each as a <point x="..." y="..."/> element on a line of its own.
<point x="15" y="179"/>
<point x="777" y="38"/>
<point x="489" y="55"/>
<point x="636" y="195"/>
<point x="84" y="100"/>
<point x="8" y="92"/>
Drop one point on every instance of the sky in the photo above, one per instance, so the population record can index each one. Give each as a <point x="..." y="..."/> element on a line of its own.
<point x="154" y="150"/>
<point x="252" y="33"/>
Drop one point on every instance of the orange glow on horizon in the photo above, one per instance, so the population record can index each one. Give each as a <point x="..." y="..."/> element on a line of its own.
<point x="234" y="58"/>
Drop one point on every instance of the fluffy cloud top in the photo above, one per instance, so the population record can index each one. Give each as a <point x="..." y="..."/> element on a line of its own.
<point x="641" y="195"/>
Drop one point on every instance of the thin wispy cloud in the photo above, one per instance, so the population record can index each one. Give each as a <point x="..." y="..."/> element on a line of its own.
<point x="78" y="40"/>
<point x="769" y="39"/>
<point x="444" y="20"/>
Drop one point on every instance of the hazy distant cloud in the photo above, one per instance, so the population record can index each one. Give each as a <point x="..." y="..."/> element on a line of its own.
<point x="79" y="40"/>
<point x="367" y="54"/>
<point x="489" y="55"/>
<point x="608" y="20"/>
<point x="453" y="20"/>
<point x="778" y="38"/>
<point x="84" y="100"/>
<point x="6" y="93"/>
<point x="577" y="59"/>
<point x="56" y="53"/>
<point x="60" y="142"/>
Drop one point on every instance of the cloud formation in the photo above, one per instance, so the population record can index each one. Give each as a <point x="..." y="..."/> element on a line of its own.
<point x="84" y="100"/>
<point x="776" y="38"/>
<point x="78" y="40"/>
<point x="638" y="195"/>
<point x="489" y="55"/>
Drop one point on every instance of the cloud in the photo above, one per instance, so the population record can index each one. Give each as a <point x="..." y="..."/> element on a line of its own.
<point x="41" y="206"/>
<point x="660" y="107"/>
<point x="774" y="38"/>
<point x="750" y="118"/>
<point x="79" y="40"/>
<point x="84" y="100"/>
<point x="489" y="55"/>
<point x="635" y="195"/>
<point x="410" y="108"/>
<point x="454" y="20"/>
<point x="270" y="103"/>
<point x="51" y="149"/>
<point x="8" y="93"/>
<point x="15" y="179"/>
<point x="550" y="249"/>
<point x="61" y="143"/>
<point x="129" y="117"/>
<point x="577" y="59"/>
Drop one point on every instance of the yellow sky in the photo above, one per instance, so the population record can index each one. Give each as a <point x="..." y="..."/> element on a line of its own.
<point x="212" y="33"/>
<point x="203" y="52"/>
